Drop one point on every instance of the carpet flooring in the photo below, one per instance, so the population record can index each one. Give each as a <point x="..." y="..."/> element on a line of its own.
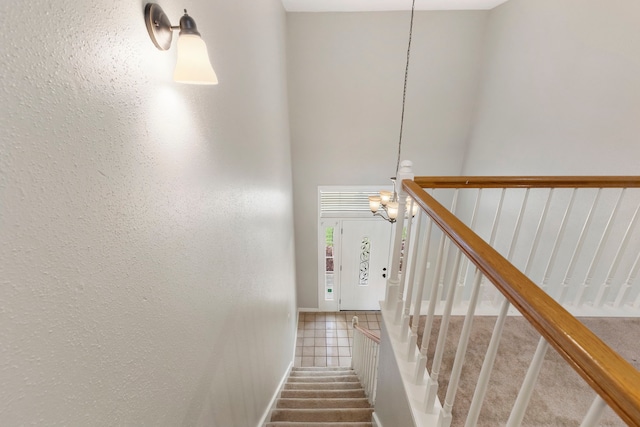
<point x="560" y="398"/>
<point x="322" y="396"/>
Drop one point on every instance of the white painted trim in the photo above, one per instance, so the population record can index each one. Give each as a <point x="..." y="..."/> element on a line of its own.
<point x="264" y="419"/>
<point x="337" y="219"/>
<point x="307" y="310"/>
<point x="415" y="392"/>
<point x="375" y="420"/>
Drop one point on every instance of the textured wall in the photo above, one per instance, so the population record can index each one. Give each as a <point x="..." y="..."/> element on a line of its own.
<point x="346" y="73"/>
<point x="146" y="265"/>
<point x="560" y="92"/>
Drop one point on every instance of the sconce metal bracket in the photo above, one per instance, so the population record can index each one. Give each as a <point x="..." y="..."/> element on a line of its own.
<point x="158" y="26"/>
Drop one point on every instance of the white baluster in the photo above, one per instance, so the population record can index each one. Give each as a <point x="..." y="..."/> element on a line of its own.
<point x="434" y="298"/>
<point x="496" y="221"/>
<point x="375" y="373"/>
<point x="522" y="401"/>
<point x="404" y="172"/>
<point x="582" y="291"/>
<point x="564" y="288"/>
<point x="496" y="218"/>
<point x="487" y="367"/>
<point x="444" y="418"/>
<point x="393" y="283"/>
<point x="626" y="286"/>
<point x="516" y="230"/>
<point x="466" y="264"/>
<point x="595" y="413"/>
<point x="432" y="384"/>
<point x="538" y="235"/>
<point x="367" y="367"/>
<point x="417" y="305"/>
<point x="515" y="237"/>
<point x="401" y="297"/>
<point x="440" y="277"/>
<point x="559" y="237"/>
<point x="421" y="366"/>
<point x="354" y="362"/>
<point x="356" y="351"/>
<point x="604" y="289"/>
<point x="414" y="257"/>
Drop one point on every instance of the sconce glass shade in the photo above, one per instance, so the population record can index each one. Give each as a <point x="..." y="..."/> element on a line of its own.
<point x="392" y="210"/>
<point x="374" y="203"/>
<point x="385" y="197"/>
<point x="193" y="64"/>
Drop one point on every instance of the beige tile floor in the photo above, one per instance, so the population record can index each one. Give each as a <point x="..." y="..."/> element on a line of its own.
<point x="325" y="339"/>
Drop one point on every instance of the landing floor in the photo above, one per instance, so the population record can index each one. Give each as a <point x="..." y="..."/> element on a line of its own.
<point x="325" y="339"/>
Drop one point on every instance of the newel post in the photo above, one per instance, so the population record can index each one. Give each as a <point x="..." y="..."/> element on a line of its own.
<point x="393" y="282"/>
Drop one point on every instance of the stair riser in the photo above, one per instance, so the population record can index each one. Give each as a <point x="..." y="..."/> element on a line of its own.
<point x="317" y="368"/>
<point x="321" y="373"/>
<point x="321" y="386"/>
<point x="319" y="379"/>
<point x="322" y="403"/>
<point x="322" y="415"/>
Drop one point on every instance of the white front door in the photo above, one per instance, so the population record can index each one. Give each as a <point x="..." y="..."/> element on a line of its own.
<point x="364" y="256"/>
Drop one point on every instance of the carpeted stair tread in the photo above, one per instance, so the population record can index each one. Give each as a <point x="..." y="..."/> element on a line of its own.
<point x="322" y="397"/>
<point x="325" y="415"/>
<point x="322" y="394"/>
<point x="321" y="373"/>
<point x="306" y="424"/>
<point x="318" y="368"/>
<point x="325" y="379"/>
<point x="322" y="386"/>
<point x="302" y="403"/>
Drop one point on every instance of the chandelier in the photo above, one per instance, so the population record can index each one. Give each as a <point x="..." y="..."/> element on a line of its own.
<point x="386" y="204"/>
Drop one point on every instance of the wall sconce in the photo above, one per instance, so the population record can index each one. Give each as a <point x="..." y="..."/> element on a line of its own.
<point x="193" y="65"/>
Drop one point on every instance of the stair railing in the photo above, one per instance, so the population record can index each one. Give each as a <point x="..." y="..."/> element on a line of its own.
<point x="475" y="261"/>
<point x="364" y="358"/>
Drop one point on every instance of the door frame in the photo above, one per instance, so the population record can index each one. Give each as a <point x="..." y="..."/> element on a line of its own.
<point x="335" y="219"/>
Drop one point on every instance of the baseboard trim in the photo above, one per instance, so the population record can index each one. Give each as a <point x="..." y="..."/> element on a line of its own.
<point x="274" y="398"/>
<point x="308" y="310"/>
<point x="375" y="420"/>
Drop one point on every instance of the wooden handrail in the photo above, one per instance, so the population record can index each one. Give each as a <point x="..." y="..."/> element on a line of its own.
<point x="612" y="377"/>
<point x="367" y="333"/>
<point x="527" y="181"/>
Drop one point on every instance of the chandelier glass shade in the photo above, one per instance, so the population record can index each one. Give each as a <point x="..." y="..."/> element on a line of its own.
<point x="386" y="206"/>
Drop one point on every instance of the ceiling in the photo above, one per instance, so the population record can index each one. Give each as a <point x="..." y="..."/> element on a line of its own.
<point x="385" y="5"/>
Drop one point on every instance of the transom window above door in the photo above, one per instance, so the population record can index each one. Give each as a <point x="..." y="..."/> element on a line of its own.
<point x="347" y="201"/>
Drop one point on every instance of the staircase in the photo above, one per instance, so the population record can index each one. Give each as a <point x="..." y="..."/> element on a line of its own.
<point x="322" y="397"/>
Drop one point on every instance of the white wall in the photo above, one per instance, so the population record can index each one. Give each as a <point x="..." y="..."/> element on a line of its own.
<point x="146" y="265"/>
<point x="560" y="92"/>
<point x="346" y="74"/>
